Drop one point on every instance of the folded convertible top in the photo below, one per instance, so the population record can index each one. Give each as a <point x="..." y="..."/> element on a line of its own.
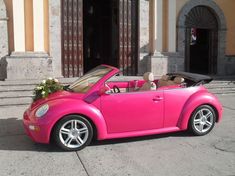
<point x="196" y="78"/>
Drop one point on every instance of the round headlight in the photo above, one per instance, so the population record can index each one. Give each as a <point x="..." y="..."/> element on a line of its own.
<point x="42" y="110"/>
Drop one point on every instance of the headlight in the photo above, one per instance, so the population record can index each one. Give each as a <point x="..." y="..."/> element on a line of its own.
<point x="42" y="110"/>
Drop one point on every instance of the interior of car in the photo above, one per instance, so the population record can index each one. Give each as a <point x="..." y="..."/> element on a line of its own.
<point x="148" y="83"/>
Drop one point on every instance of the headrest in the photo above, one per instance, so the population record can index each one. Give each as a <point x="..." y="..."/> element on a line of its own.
<point x="165" y="77"/>
<point x="178" y="80"/>
<point x="148" y="76"/>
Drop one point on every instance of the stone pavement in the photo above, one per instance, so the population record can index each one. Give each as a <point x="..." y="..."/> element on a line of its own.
<point x="169" y="154"/>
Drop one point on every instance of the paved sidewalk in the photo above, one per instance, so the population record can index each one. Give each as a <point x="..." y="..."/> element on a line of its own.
<point x="170" y="154"/>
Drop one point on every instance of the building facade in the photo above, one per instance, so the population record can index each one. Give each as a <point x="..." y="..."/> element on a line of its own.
<point x="66" y="38"/>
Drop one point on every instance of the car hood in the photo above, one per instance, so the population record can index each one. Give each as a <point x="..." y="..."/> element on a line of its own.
<point x="56" y="96"/>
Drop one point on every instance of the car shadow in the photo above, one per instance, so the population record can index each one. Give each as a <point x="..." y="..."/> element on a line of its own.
<point x="13" y="138"/>
<point x="141" y="138"/>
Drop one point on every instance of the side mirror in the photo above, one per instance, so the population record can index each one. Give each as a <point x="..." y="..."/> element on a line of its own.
<point x="103" y="90"/>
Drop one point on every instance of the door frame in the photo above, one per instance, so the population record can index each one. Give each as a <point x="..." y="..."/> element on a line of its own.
<point x="222" y="30"/>
<point x="133" y="57"/>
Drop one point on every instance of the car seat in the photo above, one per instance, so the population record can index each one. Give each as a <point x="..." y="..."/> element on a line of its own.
<point x="149" y="84"/>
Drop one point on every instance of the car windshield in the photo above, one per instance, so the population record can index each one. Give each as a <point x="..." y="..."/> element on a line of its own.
<point x="85" y="83"/>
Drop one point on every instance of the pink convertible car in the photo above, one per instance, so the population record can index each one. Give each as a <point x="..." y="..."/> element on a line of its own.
<point x="99" y="105"/>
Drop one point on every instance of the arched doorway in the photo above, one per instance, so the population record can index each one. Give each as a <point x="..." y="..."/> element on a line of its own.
<point x="209" y="21"/>
<point x="201" y="46"/>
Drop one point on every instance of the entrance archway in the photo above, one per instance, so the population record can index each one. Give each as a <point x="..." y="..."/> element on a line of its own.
<point x="201" y="36"/>
<point x="201" y="41"/>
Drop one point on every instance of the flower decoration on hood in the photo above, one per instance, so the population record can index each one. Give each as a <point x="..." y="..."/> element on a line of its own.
<point x="46" y="87"/>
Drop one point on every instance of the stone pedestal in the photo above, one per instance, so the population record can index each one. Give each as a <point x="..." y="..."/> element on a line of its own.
<point x="161" y="63"/>
<point x="29" y="66"/>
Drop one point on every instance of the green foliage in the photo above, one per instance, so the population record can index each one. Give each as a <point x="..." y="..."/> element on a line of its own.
<point x="46" y="87"/>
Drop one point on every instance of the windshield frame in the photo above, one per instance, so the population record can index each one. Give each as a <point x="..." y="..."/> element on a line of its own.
<point x="91" y="75"/>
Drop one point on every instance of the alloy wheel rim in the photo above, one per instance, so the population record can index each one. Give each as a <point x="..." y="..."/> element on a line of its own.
<point x="203" y="120"/>
<point x="74" y="133"/>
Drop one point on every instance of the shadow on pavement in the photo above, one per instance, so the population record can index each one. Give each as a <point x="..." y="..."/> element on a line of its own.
<point x="142" y="138"/>
<point x="12" y="137"/>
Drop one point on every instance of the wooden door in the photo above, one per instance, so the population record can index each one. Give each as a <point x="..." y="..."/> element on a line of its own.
<point x="128" y="36"/>
<point x="72" y="38"/>
<point x="213" y="52"/>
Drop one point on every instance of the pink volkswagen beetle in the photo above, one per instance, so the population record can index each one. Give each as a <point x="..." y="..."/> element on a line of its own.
<point x="100" y="105"/>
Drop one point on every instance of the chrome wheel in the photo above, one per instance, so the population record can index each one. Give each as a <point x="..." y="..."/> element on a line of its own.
<point x="73" y="133"/>
<point x="203" y="120"/>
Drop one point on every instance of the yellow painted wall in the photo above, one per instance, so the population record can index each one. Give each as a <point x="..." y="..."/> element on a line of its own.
<point x="9" y="7"/>
<point x="28" y="9"/>
<point x="46" y="25"/>
<point x="179" y="6"/>
<point x="29" y="34"/>
<point x="228" y="8"/>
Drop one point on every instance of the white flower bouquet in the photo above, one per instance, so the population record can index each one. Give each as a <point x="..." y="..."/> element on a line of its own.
<point x="46" y="87"/>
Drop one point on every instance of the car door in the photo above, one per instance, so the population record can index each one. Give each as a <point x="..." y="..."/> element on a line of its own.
<point x="134" y="111"/>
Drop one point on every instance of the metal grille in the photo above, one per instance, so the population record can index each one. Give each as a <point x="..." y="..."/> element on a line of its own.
<point x="72" y="38"/>
<point x="128" y="36"/>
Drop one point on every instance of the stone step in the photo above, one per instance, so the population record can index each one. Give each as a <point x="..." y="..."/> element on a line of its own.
<point x="16" y="94"/>
<point x="17" y="88"/>
<point x="221" y="84"/>
<point x="220" y="87"/>
<point x="33" y="82"/>
<point x="228" y="92"/>
<point x="15" y="101"/>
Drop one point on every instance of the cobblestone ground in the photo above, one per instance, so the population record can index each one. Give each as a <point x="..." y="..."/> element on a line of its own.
<point x="170" y="154"/>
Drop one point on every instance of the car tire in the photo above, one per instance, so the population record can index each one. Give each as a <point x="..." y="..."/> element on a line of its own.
<point x="73" y="133"/>
<point x="202" y="120"/>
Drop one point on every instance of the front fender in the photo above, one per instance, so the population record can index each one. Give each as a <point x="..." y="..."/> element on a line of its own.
<point x="197" y="99"/>
<point x="59" y="109"/>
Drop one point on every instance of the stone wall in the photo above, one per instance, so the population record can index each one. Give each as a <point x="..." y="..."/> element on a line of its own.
<point x="55" y="36"/>
<point x="228" y="66"/>
<point x="29" y="66"/>
<point x="3" y="40"/>
<point x="222" y="61"/>
<point x="143" y="36"/>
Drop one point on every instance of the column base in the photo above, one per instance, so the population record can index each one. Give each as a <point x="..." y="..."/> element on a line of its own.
<point x="28" y="65"/>
<point x="161" y="63"/>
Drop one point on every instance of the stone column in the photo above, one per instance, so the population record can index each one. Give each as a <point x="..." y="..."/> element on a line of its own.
<point x="171" y="25"/>
<point x="22" y="64"/>
<point x="143" y="36"/>
<point x="38" y="25"/>
<point x="19" y="27"/>
<point x="155" y="26"/>
<point x="4" y="41"/>
<point x="157" y="63"/>
<point x="55" y="36"/>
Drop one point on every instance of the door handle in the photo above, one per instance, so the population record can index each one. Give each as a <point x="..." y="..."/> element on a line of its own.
<point x="157" y="98"/>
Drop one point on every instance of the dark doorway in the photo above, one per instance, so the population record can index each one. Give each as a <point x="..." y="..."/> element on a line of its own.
<point x="199" y="51"/>
<point x="201" y="44"/>
<point x="100" y="33"/>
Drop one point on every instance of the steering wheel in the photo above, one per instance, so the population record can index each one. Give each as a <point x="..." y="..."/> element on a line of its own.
<point x="116" y="89"/>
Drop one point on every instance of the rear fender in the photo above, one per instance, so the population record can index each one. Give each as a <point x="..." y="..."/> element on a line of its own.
<point x="199" y="98"/>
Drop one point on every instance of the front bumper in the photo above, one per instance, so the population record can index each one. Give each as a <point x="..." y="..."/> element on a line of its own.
<point x="37" y="130"/>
